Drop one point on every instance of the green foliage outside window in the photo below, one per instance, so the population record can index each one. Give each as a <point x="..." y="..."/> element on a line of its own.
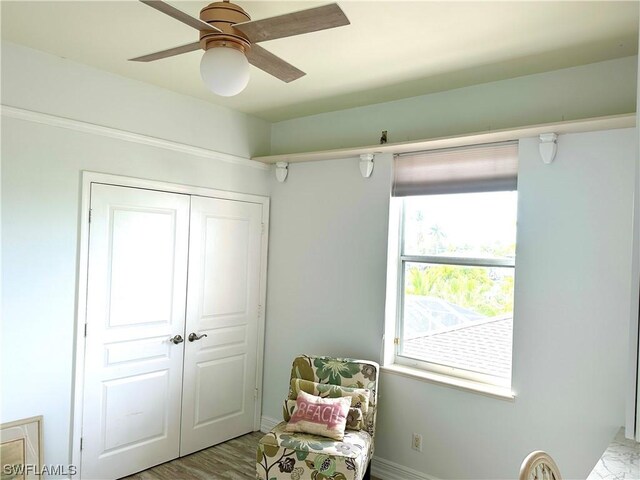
<point x="469" y="287"/>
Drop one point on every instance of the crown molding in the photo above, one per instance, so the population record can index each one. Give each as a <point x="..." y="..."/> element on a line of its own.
<point x="127" y="136"/>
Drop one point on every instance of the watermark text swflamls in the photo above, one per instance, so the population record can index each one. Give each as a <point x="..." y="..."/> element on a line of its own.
<point x="33" y="469"/>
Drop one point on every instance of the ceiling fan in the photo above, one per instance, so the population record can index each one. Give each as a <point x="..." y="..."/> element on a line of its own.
<point x="229" y="39"/>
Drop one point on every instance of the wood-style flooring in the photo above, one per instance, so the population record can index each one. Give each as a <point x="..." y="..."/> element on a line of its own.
<point x="232" y="460"/>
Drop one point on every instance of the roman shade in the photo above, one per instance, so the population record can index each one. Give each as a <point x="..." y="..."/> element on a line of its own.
<point x="478" y="168"/>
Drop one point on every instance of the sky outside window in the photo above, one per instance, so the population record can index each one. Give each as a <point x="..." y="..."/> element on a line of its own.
<point x="480" y="225"/>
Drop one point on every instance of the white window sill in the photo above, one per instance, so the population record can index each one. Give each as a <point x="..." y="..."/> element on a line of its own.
<point x="495" y="391"/>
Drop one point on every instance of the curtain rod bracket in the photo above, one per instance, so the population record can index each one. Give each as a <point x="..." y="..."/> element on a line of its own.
<point x="548" y="147"/>
<point x="282" y="170"/>
<point x="366" y="164"/>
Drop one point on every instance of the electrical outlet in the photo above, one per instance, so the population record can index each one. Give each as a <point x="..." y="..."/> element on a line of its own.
<point x="416" y="442"/>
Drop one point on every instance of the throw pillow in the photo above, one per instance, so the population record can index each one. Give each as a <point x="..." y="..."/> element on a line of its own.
<point x="320" y="416"/>
<point x="359" y="396"/>
<point x="354" y="417"/>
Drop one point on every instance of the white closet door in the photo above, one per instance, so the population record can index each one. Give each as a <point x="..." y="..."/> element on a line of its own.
<point x="138" y="250"/>
<point x="222" y="303"/>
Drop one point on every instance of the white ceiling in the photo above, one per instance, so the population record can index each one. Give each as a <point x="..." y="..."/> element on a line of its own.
<point x="391" y="50"/>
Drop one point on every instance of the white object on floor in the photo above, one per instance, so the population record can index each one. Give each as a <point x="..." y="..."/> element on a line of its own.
<point x="620" y="461"/>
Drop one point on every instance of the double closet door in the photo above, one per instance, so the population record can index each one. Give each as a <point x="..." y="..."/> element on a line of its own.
<point x="171" y="327"/>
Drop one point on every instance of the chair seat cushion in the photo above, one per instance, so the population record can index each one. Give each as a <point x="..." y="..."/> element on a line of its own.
<point x="300" y="456"/>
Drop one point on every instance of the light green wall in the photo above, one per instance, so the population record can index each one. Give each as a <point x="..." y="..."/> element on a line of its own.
<point x="599" y="89"/>
<point x="45" y="83"/>
<point x="41" y="173"/>
<point x="326" y="295"/>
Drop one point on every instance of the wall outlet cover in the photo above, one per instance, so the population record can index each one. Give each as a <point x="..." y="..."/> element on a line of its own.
<point x="416" y="442"/>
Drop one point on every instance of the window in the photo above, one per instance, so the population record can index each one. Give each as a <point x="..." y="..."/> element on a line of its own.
<point x="456" y="268"/>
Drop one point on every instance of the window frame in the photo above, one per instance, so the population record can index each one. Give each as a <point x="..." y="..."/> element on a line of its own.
<point x="401" y="259"/>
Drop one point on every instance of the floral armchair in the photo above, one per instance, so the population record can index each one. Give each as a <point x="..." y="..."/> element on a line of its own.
<point x="300" y="456"/>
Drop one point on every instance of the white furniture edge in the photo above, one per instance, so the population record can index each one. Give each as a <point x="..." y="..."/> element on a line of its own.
<point x="632" y="423"/>
<point x="86" y="127"/>
<point x="632" y="413"/>
<point x="573" y="126"/>
<point x="81" y="286"/>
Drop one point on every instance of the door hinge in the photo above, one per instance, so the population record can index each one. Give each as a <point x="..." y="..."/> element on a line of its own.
<point x="263" y="228"/>
<point x="255" y="393"/>
<point x="396" y="341"/>
<point x="90" y="215"/>
<point x="81" y="442"/>
<point x="85" y="329"/>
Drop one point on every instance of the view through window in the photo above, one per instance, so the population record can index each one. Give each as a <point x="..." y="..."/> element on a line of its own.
<point x="457" y="265"/>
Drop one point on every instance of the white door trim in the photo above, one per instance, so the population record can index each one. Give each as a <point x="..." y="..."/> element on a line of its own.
<point x="81" y="287"/>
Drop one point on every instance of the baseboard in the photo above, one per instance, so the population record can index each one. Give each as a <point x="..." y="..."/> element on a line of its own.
<point x="387" y="470"/>
<point x="267" y="424"/>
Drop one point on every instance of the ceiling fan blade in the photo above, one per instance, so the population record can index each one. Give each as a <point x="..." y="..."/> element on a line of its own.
<point x="272" y="64"/>
<point x="296" y="23"/>
<point x="190" y="47"/>
<point x="180" y="15"/>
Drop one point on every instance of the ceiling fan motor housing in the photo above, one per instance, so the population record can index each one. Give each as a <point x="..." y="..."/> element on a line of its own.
<point x="224" y="15"/>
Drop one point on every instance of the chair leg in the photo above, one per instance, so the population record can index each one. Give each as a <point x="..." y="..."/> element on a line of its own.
<point x="367" y="473"/>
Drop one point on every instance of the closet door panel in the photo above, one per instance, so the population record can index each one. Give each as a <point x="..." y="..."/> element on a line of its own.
<point x="222" y="303"/>
<point x="138" y="251"/>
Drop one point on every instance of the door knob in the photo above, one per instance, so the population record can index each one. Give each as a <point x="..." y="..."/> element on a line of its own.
<point x="193" y="337"/>
<point x="177" y="339"/>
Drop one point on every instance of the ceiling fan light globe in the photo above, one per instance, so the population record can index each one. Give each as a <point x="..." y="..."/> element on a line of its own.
<point x="225" y="71"/>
